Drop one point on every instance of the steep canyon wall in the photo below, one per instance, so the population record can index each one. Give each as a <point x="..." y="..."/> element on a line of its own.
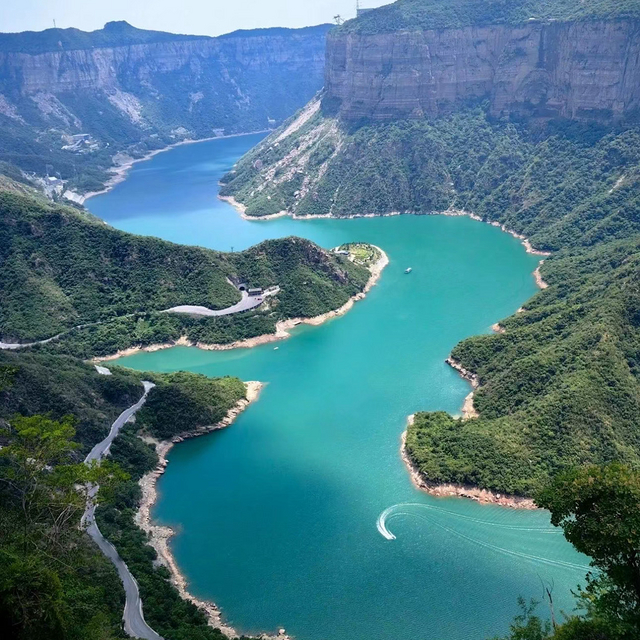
<point x="548" y="69"/>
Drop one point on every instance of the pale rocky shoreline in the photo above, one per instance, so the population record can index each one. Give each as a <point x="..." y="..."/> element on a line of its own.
<point x="468" y="410"/>
<point x="538" y="276"/>
<point x="160" y="536"/>
<point x="282" y="328"/>
<point x="241" y="208"/>
<point x="483" y="496"/>
<point x="526" y="243"/>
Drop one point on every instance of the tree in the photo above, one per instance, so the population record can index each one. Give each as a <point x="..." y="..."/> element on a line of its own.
<point x="598" y="508"/>
<point x="43" y="491"/>
<point x="7" y="374"/>
<point x="527" y="626"/>
<point x="43" y="479"/>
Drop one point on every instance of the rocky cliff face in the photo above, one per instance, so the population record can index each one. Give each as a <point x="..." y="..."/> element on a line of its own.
<point x="123" y="89"/>
<point x="113" y="68"/>
<point x="575" y="70"/>
<point x="243" y="73"/>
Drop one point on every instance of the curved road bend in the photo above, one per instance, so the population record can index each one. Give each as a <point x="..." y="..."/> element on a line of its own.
<point x="134" y="623"/>
<point x="248" y="302"/>
<point x="8" y="346"/>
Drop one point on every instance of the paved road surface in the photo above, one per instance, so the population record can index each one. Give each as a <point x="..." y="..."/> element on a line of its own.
<point x="248" y="302"/>
<point x="134" y="623"/>
<point x="12" y="347"/>
<point x="7" y="346"/>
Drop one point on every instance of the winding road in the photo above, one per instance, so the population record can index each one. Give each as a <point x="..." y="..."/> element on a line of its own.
<point x="246" y="303"/>
<point x="133" y="618"/>
<point x="7" y="346"/>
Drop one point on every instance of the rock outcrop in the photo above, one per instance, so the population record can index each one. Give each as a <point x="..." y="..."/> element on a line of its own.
<point x="580" y="70"/>
<point x="120" y="86"/>
<point x="129" y="68"/>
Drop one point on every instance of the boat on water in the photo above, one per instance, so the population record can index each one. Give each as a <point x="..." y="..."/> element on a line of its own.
<point x="409" y="270"/>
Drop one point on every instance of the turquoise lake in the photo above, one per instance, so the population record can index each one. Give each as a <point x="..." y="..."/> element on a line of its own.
<point x="276" y="515"/>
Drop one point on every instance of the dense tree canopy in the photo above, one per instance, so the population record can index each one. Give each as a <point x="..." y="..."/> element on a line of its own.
<point x="46" y="562"/>
<point x="598" y="509"/>
<point x="442" y="14"/>
<point x="63" y="271"/>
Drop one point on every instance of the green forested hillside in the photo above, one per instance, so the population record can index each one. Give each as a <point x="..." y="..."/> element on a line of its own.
<point x="445" y="14"/>
<point x="59" y="385"/>
<point x="62" y="268"/>
<point x="561" y="385"/>
<point x="54" y="583"/>
<point x="566" y="184"/>
<point x="559" y="388"/>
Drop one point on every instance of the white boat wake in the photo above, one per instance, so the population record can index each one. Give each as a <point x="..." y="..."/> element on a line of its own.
<point x="382" y="523"/>
<point x="405" y="509"/>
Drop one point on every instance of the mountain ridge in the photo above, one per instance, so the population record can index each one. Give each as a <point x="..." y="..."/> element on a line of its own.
<point x="119" y="33"/>
<point x="114" y="33"/>
<point x="447" y="14"/>
<point x="69" y="113"/>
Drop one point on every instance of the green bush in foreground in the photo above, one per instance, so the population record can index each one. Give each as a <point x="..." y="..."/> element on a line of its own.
<point x="598" y="509"/>
<point x="54" y="584"/>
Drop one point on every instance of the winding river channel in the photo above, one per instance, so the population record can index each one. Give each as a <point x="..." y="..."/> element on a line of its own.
<point x="277" y="516"/>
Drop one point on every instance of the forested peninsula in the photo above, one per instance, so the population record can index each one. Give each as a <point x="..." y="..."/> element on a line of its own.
<point x="100" y="290"/>
<point x="559" y="384"/>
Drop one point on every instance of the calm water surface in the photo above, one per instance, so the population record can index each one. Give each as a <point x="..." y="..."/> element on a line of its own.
<point x="276" y="516"/>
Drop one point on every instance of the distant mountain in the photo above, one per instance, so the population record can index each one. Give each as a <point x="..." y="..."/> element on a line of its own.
<point x="71" y="100"/>
<point x="114" y="34"/>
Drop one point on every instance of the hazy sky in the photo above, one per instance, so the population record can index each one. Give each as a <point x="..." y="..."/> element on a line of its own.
<point x="206" y="17"/>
